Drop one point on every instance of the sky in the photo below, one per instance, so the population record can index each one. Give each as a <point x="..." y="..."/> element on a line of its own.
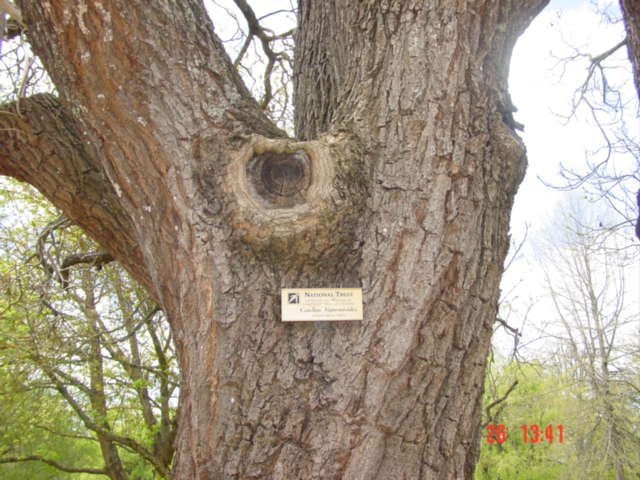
<point x="542" y="87"/>
<point x="542" y="95"/>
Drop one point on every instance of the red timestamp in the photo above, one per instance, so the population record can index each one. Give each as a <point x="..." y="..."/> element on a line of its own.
<point x="529" y="433"/>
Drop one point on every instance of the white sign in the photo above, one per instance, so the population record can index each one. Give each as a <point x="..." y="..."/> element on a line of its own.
<point x="321" y="304"/>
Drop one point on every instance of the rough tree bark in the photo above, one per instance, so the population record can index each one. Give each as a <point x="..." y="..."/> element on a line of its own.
<point x="631" y="14"/>
<point x="400" y="182"/>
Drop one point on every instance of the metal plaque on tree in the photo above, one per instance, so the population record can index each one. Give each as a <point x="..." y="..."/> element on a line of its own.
<point x="321" y="304"/>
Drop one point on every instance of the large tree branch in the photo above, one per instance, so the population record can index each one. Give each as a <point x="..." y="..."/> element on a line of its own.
<point x="335" y="63"/>
<point x="154" y="89"/>
<point x="41" y="144"/>
<point x="138" y="76"/>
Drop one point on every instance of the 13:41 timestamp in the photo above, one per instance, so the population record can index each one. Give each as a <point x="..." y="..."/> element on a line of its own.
<point x="530" y="433"/>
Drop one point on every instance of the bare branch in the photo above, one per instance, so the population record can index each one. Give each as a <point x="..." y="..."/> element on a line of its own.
<point x="95" y="259"/>
<point x="10" y="29"/>
<point x="513" y="330"/>
<point x="498" y="401"/>
<point x="266" y="39"/>
<point x="603" y="97"/>
<point x="54" y="464"/>
<point x="58" y="223"/>
<point x="607" y="53"/>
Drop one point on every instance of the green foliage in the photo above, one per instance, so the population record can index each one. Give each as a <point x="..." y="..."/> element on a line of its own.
<point x="545" y="395"/>
<point x="536" y="400"/>
<point x="35" y="422"/>
<point x="84" y="354"/>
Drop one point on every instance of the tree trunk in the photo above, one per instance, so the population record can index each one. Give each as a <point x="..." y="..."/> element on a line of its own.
<point x="96" y="392"/>
<point x="631" y="14"/>
<point x="402" y="184"/>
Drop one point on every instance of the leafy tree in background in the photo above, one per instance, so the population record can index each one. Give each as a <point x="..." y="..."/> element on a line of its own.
<point x="31" y="424"/>
<point x="584" y="377"/>
<point x="597" y="343"/>
<point x="541" y="396"/>
<point x="546" y="394"/>
<point x="88" y="363"/>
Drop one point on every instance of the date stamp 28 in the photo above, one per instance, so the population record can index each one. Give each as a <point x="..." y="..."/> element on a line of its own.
<point x="497" y="433"/>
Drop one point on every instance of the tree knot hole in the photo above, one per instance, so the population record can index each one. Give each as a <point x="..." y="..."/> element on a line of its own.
<point x="280" y="179"/>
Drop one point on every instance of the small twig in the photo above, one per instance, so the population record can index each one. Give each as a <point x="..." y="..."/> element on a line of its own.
<point x="60" y="222"/>
<point x="513" y="330"/>
<point x="498" y="401"/>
